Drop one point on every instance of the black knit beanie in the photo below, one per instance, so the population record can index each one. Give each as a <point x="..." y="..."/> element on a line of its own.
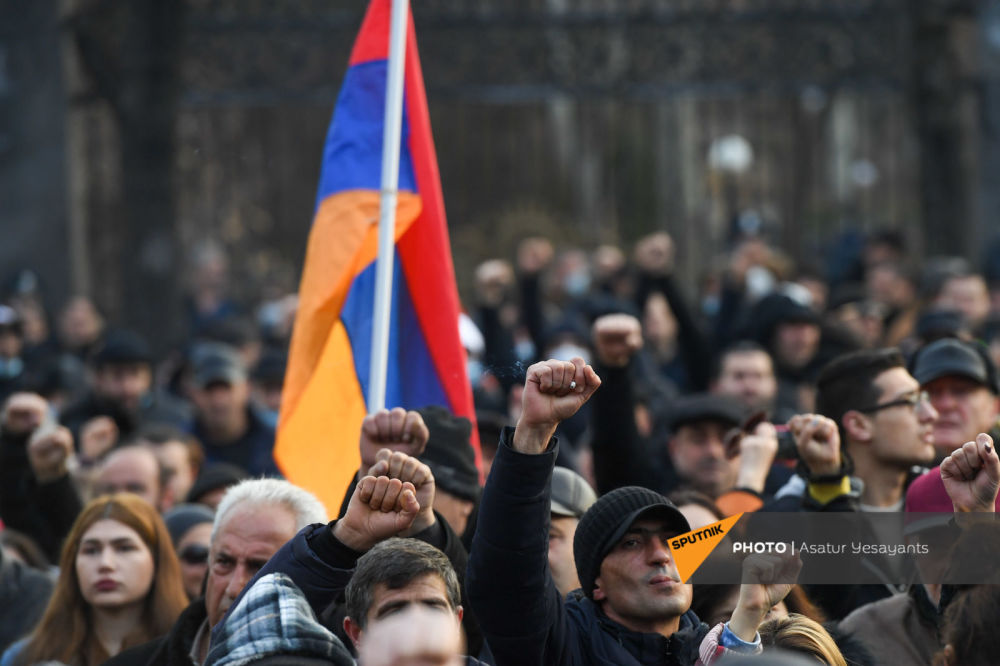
<point x="606" y="522"/>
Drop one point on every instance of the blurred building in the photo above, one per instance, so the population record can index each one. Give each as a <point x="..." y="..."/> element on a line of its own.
<point x="131" y="131"/>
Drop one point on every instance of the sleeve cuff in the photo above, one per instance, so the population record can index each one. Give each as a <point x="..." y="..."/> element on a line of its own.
<point x="331" y="550"/>
<point x="507" y="441"/>
<point x="435" y="535"/>
<point x="824" y="493"/>
<point x="731" y="641"/>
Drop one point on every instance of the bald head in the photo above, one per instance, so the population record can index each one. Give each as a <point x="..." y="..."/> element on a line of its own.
<point x="133" y="469"/>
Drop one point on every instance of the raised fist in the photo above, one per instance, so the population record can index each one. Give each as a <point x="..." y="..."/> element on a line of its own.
<point x="553" y="392"/>
<point x="655" y="253"/>
<point x="49" y="451"/>
<point x="971" y="475"/>
<point x="22" y="413"/>
<point x="97" y="436"/>
<point x="380" y="508"/>
<point x="818" y="442"/>
<point x="533" y="255"/>
<point x="616" y="338"/>
<point x="493" y="279"/>
<point x="396" y="430"/>
<point x="767" y="579"/>
<point x="398" y="465"/>
<point x="757" y="450"/>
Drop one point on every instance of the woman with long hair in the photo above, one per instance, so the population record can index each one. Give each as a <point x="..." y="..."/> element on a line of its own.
<point x="119" y="585"/>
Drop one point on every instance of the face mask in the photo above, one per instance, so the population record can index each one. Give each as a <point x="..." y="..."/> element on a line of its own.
<point x="11" y="368"/>
<point x="577" y="283"/>
<point x="270" y="314"/>
<point x="524" y="350"/>
<point x="474" y="369"/>
<point x="759" y="282"/>
<point x="710" y="306"/>
<point x="567" y="351"/>
<point x="268" y="416"/>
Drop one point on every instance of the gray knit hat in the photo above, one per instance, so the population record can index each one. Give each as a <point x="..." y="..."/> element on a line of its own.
<point x="606" y="522"/>
<point x="183" y="517"/>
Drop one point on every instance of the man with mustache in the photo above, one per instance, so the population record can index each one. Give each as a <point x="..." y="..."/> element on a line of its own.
<point x="632" y="607"/>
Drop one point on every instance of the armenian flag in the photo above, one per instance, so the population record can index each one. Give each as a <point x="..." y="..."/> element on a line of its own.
<point x="326" y="383"/>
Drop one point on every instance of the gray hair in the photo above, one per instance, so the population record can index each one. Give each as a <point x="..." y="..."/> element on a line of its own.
<point x="397" y="563"/>
<point x="270" y="492"/>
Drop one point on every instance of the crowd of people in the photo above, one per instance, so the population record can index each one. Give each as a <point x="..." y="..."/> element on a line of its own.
<point x="146" y="522"/>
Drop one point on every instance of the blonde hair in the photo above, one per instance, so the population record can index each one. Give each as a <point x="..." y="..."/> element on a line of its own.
<point x="65" y="632"/>
<point x="800" y="634"/>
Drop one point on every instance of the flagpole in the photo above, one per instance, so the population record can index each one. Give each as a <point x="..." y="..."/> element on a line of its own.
<point x="387" y="206"/>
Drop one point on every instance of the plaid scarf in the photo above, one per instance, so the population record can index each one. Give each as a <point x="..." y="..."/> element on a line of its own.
<point x="274" y="618"/>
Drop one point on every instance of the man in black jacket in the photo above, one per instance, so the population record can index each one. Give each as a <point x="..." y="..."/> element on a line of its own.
<point x="633" y="607"/>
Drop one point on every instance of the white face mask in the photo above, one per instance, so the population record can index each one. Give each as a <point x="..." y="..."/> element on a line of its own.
<point x="567" y="351"/>
<point x="759" y="282"/>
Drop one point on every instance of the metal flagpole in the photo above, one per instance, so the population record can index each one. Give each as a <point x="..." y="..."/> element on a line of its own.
<point x="387" y="207"/>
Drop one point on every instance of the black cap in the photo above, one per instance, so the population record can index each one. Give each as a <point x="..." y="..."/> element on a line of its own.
<point x="788" y="310"/>
<point x="954" y="357"/>
<point x="705" y="407"/>
<point x="219" y="363"/>
<point x="608" y="519"/>
<point x="571" y="494"/>
<point x="936" y="324"/>
<point x="449" y="452"/>
<point x="122" y="347"/>
<point x="214" y="476"/>
<point x="270" y="369"/>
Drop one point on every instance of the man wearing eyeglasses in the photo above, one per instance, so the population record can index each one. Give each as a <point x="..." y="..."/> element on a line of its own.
<point x="874" y="423"/>
<point x="873" y="434"/>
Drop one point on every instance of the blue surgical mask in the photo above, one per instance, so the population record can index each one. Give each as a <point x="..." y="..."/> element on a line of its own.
<point x="524" y="350"/>
<point x="474" y="368"/>
<point x="577" y="283"/>
<point x="11" y="367"/>
<point x="710" y="306"/>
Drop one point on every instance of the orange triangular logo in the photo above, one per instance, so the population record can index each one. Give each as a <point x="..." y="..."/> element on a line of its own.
<point x="689" y="550"/>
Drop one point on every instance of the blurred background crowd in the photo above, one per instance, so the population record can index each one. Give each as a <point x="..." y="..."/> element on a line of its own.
<point x="759" y="187"/>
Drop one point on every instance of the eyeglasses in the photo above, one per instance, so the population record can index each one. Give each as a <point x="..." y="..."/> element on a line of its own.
<point x="194" y="554"/>
<point x="913" y="400"/>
